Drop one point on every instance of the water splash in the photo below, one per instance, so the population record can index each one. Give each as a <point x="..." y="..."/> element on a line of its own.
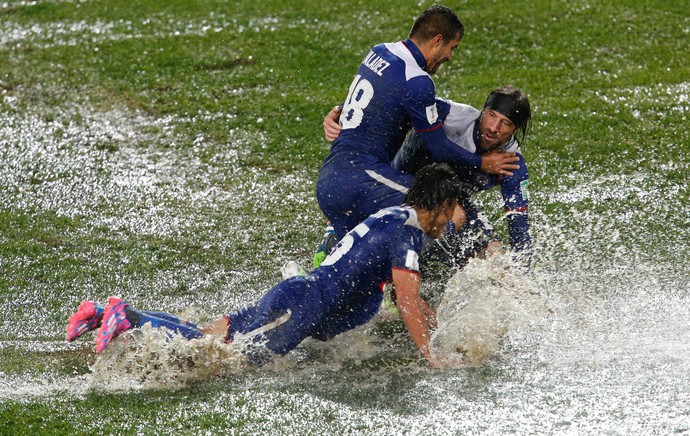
<point x="482" y="303"/>
<point x="151" y="358"/>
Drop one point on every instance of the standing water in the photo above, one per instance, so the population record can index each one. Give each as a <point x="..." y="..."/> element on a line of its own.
<point x="593" y="339"/>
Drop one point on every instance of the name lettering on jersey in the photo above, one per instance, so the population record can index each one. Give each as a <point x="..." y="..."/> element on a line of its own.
<point x="375" y="63"/>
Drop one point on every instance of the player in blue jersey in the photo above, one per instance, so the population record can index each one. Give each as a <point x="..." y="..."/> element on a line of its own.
<point x="345" y="292"/>
<point x="500" y="126"/>
<point x="391" y="93"/>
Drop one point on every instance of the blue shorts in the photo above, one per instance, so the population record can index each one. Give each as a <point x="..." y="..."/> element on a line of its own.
<point x="349" y="192"/>
<point x="318" y="310"/>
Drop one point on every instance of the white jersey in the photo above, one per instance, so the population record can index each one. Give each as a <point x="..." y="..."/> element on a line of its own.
<point x="459" y="127"/>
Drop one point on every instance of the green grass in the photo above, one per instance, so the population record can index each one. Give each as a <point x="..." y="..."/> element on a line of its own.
<point x="246" y="85"/>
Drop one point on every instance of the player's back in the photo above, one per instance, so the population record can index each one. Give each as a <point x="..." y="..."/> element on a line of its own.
<point x="363" y="259"/>
<point x="374" y="117"/>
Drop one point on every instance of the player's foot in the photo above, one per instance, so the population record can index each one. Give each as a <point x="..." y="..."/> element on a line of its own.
<point x="114" y="322"/>
<point x="325" y="247"/>
<point x="292" y="269"/>
<point x="87" y="317"/>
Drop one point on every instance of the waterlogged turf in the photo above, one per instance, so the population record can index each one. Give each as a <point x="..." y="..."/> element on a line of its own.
<point x="168" y="153"/>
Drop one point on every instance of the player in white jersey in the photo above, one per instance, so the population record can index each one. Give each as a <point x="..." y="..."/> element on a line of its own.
<point x="501" y="125"/>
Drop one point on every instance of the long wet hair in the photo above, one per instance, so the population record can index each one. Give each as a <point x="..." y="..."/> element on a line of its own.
<point x="437" y="20"/>
<point x="433" y="186"/>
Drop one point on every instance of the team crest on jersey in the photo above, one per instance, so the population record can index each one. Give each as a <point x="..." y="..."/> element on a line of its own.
<point x="412" y="260"/>
<point x="431" y="113"/>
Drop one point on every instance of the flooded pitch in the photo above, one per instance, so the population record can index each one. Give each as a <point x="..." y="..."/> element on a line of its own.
<point x="594" y="339"/>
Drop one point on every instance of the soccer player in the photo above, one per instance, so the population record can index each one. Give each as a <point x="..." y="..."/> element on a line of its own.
<point x="501" y="125"/>
<point x="391" y="93"/>
<point x="345" y="292"/>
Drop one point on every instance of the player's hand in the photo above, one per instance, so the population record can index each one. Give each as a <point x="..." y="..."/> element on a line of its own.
<point x="499" y="163"/>
<point x="331" y="127"/>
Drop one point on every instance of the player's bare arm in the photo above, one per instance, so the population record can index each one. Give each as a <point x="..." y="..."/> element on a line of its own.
<point x="416" y="314"/>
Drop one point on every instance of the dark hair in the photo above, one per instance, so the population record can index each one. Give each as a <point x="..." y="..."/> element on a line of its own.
<point x="432" y="186"/>
<point x="512" y="103"/>
<point x="436" y="20"/>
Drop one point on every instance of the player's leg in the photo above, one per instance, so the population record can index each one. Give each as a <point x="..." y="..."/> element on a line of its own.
<point x="218" y="327"/>
<point x="348" y="196"/>
<point x="120" y="316"/>
<point x="386" y="187"/>
<point x="338" y="191"/>
<point x="163" y="320"/>
<point x="282" y="319"/>
<point x="348" y="316"/>
<point x="170" y="317"/>
<point x="89" y="316"/>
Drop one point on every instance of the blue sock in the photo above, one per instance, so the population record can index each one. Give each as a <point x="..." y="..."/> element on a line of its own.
<point x="169" y="317"/>
<point x="160" y="319"/>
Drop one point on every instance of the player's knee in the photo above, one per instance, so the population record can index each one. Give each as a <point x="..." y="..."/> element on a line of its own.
<point x="217" y="327"/>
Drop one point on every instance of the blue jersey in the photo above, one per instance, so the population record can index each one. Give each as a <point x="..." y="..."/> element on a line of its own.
<point x="344" y="292"/>
<point x="461" y="125"/>
<point x="364" y="258"/>
<point x="390" y="94"/>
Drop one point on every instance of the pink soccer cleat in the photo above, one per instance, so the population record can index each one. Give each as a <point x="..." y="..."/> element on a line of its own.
<point x="114" y="322"/>
<point x="87" y="317"/>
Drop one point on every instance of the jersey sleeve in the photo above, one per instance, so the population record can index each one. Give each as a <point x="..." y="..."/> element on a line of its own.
<point x="424" y="112"/>
<point x="443" y="149"/>
<point x="458" y="116"/>
<point x="515" y="192"/>
<point x="405" y="248"/>
<point x="421" y="104"/>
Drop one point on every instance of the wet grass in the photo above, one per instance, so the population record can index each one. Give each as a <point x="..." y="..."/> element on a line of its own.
<point x="17" y="360"/>
<point x="213" y="189"/>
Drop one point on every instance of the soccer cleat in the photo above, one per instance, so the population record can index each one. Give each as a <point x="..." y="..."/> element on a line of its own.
<point x="319" y="257"/>
<point x="114" y="322"/>
<point x="87" y="317"/>
<point x="325" y="247"/>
